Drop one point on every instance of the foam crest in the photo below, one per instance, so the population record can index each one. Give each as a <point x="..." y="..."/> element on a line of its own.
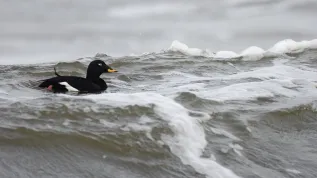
<point x="177" y="46"/>
<point x="226" y="55"/>
<point x="290" y="46"/>
<point x="189" y="140"/>
<point x="252" y="53"/>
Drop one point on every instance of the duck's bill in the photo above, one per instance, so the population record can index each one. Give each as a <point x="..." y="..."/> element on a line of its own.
<point x="112" y="70"/>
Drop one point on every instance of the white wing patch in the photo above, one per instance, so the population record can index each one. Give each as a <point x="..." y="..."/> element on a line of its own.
<point x="68" y="87"/>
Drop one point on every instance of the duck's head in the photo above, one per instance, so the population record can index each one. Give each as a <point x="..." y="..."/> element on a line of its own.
<point x="98" y="67"/>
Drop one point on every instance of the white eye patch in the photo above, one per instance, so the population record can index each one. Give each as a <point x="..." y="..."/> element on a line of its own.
<point x="100" y="64"/>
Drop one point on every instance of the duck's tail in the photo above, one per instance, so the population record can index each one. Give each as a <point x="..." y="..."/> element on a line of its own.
<point x="56" y="72"/>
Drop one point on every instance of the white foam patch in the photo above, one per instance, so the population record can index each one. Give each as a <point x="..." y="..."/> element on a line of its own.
<point x="224" y="133"/>
<point x="225" y="55"/>
<point x="293" y="171"/>
<point x="277" y="80"/>
<point x="189" y="141"/>
<point x="252" y="53"/>
<point x="248" y="91"/>
<point x="66" y="122"/>
<point x="109" y="124"/>
<point x="236" y="148"/>
<point x="290" y="46"/>
<point x="136" y="127"/>
<point x="139" y="128"/>
<point x="279" y="71"/>
<point x="175" y="82"/>
<point x="177" y="46"/>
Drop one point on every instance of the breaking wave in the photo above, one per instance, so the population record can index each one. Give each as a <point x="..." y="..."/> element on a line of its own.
<point x="252" y="53"/>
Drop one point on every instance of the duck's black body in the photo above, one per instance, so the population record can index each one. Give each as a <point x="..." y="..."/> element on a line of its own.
<point x="62" y="84"/>
<point x="91" y="84"/>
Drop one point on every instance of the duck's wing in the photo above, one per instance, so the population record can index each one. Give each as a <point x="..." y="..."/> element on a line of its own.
<point x="70" y="83"/>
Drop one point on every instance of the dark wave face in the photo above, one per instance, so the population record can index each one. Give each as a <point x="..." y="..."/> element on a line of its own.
<point x="164" y="115"/>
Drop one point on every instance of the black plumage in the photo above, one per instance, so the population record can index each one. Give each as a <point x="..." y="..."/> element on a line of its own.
<point x="91" y="84"/>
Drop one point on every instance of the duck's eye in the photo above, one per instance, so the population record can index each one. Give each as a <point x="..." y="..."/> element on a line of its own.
<point x="100" y="64"/>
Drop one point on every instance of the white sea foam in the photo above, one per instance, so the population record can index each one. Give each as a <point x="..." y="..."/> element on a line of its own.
<point x="189" y="140"/>
<point x="224" y="55"/>
<point x="293" y="171"/>
<point x="264" y="89"/>
<point x="236" y="148"/>
<point x="246" y="91"/>
<point x="174" y="82"/>
<point x="277" y="80"/>
<point x="177" y="46"/>
<point x="224" y="133"/>
<point x="278" y="71"/>
<point x="252" y="53"/>
<point x="66" y="122"/>
<point x="109" y="124"/>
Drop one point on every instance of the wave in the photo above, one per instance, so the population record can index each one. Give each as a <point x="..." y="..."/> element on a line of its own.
<point x="252" y="53"/>
<point x="186" y="138"/>
<point x="305" y="110"/>
<point x="188" y="141"/>
<point x="274" y="81"/>
<point x="120" y="144"/>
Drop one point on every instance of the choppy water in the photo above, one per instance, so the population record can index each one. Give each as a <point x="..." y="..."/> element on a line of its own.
<point x="204" y="89"/>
